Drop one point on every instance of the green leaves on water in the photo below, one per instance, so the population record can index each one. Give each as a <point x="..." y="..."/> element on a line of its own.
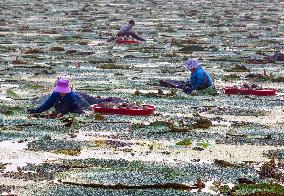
<point x="238" y="68"/>
<point x="263" y="188"/>
<point x="203" y="144"/>
<point x="57" y="49"/>
<point x="230" y="77"/>
<point x="34" y="85"/>
<point x="71" y="152"/>
<point x="10" y="110"/>
<point x="185" y="142"/>
<point x="113" y="66"/>
<point x="11" y="94"/>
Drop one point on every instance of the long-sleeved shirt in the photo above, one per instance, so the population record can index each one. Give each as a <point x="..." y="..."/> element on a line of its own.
<point x="125" y="29"/>
<point x="200" y="79"/>
<point x="70" y="103"/>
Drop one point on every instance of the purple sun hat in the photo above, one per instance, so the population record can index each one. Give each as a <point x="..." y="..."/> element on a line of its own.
<point x="62" y="86"/>
<point x="191" y="64"/>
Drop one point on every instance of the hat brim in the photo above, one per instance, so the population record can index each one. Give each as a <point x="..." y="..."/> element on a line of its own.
<point x="59" y="89"/>
<point x="187" y="67"/>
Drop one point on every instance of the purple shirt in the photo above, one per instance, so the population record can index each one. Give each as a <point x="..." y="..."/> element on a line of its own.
<point x="126" y="28"/>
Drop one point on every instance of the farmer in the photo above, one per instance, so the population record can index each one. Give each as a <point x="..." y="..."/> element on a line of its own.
<point x="64" y="100"/>
<point x="127" y="31"/>
<point x="200" y="81"/>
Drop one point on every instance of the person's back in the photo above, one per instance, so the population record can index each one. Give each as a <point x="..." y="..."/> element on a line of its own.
<point x="200" y="79"/>
<point x="70" y="103"/>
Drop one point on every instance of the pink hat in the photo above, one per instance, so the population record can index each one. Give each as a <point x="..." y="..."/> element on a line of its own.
<point x="191" y="64"/>
<point x="62" y="86"/>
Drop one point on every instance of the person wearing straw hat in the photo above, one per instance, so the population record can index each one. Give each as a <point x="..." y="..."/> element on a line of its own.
<point x="200" y="81"/>
<point x="62" y="99"/>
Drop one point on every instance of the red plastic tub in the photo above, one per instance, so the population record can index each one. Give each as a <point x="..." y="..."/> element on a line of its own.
<point x="126" y="41"/>
<point x="242" y="91"/>
<point x="148" y="110"/>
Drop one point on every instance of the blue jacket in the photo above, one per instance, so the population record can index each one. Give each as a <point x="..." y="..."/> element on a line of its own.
<point x="200" y="79"/>
<point x="70" y="103"/>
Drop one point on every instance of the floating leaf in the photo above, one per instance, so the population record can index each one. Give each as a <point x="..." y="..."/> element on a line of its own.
<point x="261" y="189"/>
<point x="10" y="93"/>
<point x="185" y="142"/>
<point x="71" y="152"/>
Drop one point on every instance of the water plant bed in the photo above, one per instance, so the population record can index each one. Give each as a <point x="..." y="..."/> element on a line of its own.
<point x="139" y="175"/>
<point x="177" y="141"/>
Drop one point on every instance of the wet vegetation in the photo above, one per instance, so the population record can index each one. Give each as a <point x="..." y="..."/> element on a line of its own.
<point x="210" y="144"/>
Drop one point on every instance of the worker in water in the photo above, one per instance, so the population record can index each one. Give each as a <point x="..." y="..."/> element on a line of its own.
<point x="65" y="101"/>
<point x="199" y="81"/>
<point x="127" y="31"/>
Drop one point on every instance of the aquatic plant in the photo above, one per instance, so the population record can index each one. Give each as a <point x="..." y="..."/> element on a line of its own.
<point x="185" y="142"/>
<point x="10" y="93"/>
<point x="238" y="68"/>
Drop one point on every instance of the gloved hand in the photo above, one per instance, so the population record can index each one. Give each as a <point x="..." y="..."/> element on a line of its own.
<point x="186" y="89"/>
<point x="194" y="92"/>
<point x="31" y="111"/>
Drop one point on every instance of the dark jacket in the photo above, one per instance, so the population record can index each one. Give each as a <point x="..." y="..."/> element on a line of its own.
<point x="70" y="103"/>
